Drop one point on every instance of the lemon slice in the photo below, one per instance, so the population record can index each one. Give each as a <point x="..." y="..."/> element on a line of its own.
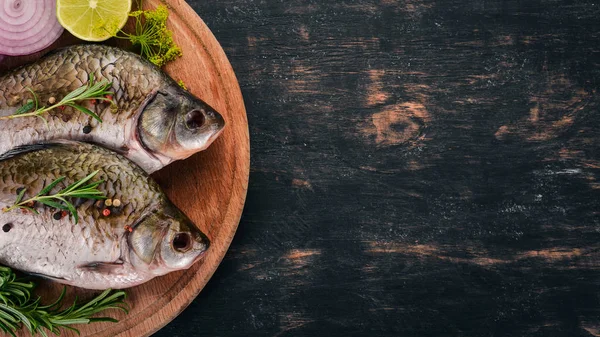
<point x="93" y="20"/>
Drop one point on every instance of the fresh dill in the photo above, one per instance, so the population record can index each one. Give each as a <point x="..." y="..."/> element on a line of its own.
<point x="81" y="189"/>
<point x="89" y="92"/>
<point x="19" y="309"/>
<point x="152" y="35"/>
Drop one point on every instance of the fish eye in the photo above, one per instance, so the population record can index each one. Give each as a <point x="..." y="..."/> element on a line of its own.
<point x="182" y="242"/>
<point x="195" y="119"/>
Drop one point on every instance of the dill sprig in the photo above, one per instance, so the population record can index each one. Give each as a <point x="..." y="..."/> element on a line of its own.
<point x="80" y="189"/>
<point x="152" y="35"/>
<point x="90" y="91"/>
<point x="18" y="309"/>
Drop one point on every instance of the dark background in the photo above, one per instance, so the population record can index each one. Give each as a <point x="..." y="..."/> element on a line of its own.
<point x="419" y="168"/>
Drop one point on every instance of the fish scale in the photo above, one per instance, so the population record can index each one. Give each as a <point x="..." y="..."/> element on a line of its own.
<point x="69" y="252"/>
<point x="135" y="84"/>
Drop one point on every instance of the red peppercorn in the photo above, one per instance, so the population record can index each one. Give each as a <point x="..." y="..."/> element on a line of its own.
<point x="128" y="228"/>
<point x="106" y="212"/>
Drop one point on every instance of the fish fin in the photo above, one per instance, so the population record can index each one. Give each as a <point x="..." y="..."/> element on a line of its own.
<point x="23" y="149"/>
<point x="103" y="267"/>
<point x="48" y="277"/>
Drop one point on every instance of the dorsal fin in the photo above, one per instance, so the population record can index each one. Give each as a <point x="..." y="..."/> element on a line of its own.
<point x="19" y="150"/>
<point x="23" y="149"/>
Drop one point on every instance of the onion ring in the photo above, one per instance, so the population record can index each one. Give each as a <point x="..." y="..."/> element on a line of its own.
<point x="27" y="26"/>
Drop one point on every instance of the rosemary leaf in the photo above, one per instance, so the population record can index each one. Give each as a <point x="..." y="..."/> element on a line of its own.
<point x="25" y="107"/>
<point x="92" y="185"/>
<point x="53" y="204"/>
<point x="18" y="310"/>
<point x="32" y="210"/>
<point x="85" y="111"/>
<point x="73" y="211"/>
<point x="20" y="196"/>
<point x="75" y="93"/>
<point x="80" y="182"/>
<point x="91" y="91"/>
<point x="80" y="189"/>
<point x="49" y="188"/>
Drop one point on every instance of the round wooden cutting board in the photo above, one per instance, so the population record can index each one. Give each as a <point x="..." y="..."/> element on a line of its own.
<point x="210" y="187"/>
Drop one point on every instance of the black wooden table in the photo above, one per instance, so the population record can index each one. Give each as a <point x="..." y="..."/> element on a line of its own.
<point x="419" y="168"/>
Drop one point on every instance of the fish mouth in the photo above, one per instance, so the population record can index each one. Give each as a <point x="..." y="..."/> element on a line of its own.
<point x="171" y="126"/>
<point x="198" y="128"/>
<point x="201" y="244"/>
<point x="200" y="255"/>
<point x="220" y="125"/>
<point x="214" y="126"/>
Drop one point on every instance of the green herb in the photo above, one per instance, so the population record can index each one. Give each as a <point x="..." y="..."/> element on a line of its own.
<point x="91" y="91"/>
<point x="18" y="309"/>
<point x="182" y="85"/>
<point x="152" y="36"/>
<point x="80" y="189"/>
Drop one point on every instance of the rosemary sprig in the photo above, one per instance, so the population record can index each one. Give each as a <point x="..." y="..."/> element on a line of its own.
<point x="18" y="309"/>
<point x="80" y="189"/>
<point x="90" y="91"/>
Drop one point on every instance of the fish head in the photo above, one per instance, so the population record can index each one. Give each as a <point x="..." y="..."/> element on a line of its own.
<point x="166" y="241"/>
<point x="174" y="124"/>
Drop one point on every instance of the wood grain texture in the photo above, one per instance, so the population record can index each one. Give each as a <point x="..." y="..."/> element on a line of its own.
<point x="210" y="187"/>
<point x="419" y="168"/>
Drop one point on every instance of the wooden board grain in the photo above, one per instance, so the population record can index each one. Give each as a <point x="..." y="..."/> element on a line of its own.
<point x="210" y="187"/>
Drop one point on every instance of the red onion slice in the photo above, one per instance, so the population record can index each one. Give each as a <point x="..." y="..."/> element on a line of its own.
<point x="27" y="26"/>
